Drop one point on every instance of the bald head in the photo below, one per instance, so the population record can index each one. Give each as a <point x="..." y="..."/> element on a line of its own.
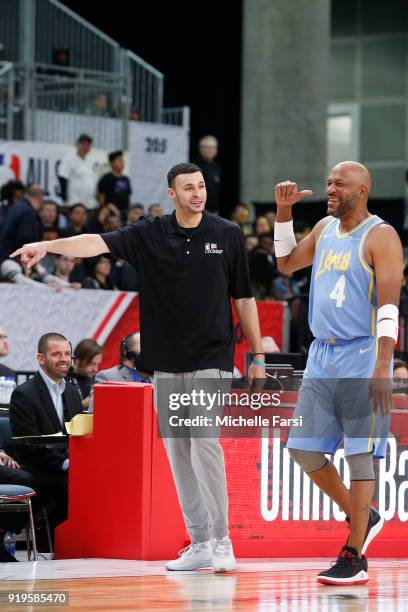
<point x="348" y="186"/>
<point x="355" y="173"/>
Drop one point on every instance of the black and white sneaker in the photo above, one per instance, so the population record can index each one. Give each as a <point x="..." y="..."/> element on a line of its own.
<point x="348" y="569"/>
<point x="375" y="524"/>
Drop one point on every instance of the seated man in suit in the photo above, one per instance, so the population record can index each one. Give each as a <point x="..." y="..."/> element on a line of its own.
<point x="129" y="370"/>
<point x="4" y="351"/>
<point x="41" y="406"/>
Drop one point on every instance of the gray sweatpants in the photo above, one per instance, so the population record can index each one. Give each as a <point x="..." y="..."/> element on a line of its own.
<point x="196" y="458"/>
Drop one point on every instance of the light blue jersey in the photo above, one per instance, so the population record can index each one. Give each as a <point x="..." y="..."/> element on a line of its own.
<point x="334" y="396"/>
<point x="343" y="298"/>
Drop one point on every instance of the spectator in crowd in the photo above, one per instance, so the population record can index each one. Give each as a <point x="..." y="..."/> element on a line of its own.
<point x="77" y="220"/>
<point x="211" y="170"/>
<point x="76" y="175"/>
<point x="240" y="216"/>
<point x="155" y="210"/>
<point x="114" y="187"/>
<point x="64" y="266"/>
<point x="262" y="267"/>
<point x="37" y="277"/>
<point x="134" y="213"/>
<point x="251" y="242"/>
<point x="271" y="216"/>
<point x="124" y="276"/>
<point x="262" y="226"/>
<point x="10" y="193"/>
<point x="100" y="275"/>
<point x="99" y="219"/>
<point x="112" y="223"/>
<point x="21" y="224"/>
<point x="48" y="214"/>
<point x="130" y="369"/>
<point x="88" y="356"/>
<point x="400" y="383"/>
<point x="41" y="406"/>
<point x="4" y="351"/>
<point x="100" y="106"/>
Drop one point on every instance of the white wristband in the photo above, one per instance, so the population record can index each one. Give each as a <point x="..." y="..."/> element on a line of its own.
<point x="387" y="321"/>
<point x="387" y="327"/>
<point x="284" y="238"/>
<point x="388" y="311"/>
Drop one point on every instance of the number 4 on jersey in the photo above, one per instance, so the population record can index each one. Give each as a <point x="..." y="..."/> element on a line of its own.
<point x="338" y="291"/>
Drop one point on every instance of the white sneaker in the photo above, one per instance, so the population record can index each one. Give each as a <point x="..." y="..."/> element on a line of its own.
<point x="223" y="559"/>
<point x="192" y="557"/>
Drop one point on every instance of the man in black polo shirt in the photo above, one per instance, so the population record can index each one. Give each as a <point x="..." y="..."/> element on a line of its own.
<point x="190" y="263"/>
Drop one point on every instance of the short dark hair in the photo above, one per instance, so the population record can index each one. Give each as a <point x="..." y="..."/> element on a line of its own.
<point x="137" y="205"/>
<point x="74" y="206"/>
<point x="45" y="339"/>
<point x="87" y="349"/>
<point x="184" y="168"/>
<point x="50" y="202"/>
<point x="84" y="138"/>
<point x="114" y="155"/>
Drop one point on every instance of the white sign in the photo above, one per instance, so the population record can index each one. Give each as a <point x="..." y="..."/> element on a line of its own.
<point x="153" y="149"/>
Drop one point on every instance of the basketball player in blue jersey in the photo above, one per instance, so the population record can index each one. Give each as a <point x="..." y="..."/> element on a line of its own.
<point x="353" y="315"/>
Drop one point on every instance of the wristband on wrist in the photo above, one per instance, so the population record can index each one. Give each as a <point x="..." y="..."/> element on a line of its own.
<point x="258" y="362"/>
<point x="284" y="238"/>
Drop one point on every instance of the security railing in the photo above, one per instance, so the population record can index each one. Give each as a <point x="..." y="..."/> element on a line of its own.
<point x="6" y="100"/>
<point x="178" y="115"/>
<point x="63" y="64"/>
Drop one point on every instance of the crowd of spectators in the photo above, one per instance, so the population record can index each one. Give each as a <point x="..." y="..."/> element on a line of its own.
<point x="27" y="214"/>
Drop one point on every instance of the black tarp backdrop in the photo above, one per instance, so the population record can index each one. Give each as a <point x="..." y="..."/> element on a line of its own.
<point x="197" y="46"/>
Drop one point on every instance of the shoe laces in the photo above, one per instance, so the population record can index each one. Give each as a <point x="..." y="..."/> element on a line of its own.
<point x="344" y="557"/>
<point x="190" y="549"/>
<point x="221" y="547"/>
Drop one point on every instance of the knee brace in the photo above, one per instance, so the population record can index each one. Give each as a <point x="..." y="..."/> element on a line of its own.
<point x="309" y="461"/>
<point x="361" y="466"/>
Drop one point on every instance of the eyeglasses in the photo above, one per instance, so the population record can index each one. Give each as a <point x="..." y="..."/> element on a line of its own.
<point x="3" y="337"/>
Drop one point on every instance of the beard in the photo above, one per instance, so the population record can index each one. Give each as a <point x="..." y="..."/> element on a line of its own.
<point x="345" y="207"/>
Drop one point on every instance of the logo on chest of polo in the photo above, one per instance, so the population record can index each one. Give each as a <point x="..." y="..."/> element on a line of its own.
<point x="211" y="248"/>
<point x="333" y="260"/>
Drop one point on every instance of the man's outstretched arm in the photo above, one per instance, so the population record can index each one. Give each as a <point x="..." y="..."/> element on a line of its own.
<point x="85" y="245"/>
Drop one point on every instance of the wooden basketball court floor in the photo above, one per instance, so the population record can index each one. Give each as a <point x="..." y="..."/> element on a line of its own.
<point x="258" y="584"/>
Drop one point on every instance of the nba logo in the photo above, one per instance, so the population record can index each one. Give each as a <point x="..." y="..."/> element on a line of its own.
<point x="207" y="247"/>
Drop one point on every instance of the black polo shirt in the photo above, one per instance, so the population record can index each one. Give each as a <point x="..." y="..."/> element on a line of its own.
<point x="186" y="281"/>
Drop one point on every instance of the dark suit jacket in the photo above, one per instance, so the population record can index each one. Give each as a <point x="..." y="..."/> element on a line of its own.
<point x="19" y="227"/>
<point x="32" y="413"/>
<point x="5" y="371"/>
